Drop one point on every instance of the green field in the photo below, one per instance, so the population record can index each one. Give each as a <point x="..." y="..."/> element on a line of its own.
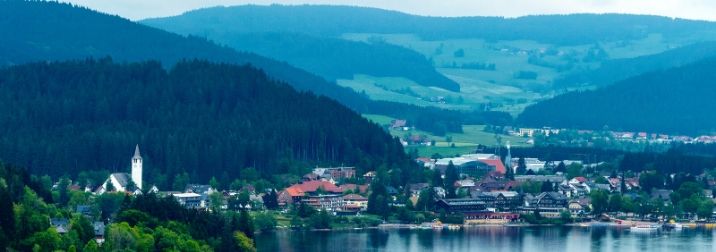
<point x="499" y="87"/>
<point x="465" y="142"/>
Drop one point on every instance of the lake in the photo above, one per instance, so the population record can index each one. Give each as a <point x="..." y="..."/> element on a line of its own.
<point x="492" y="238"/>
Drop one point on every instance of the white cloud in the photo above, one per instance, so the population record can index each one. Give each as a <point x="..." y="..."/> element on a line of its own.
<point x="691" y="9"/>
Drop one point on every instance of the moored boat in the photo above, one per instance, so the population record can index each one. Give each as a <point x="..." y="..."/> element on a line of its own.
<point x="644" y="228"/>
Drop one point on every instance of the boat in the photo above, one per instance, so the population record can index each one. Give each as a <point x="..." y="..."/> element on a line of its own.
<point x="644" y="228"/>
<point x="426" y="225"/>
<point x="673" y="226"/>
<point x="453" y="227"/>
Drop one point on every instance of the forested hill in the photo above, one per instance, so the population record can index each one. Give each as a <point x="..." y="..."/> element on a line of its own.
<point x="618" y="69"/>
<point x="676" y="101"/>
<point x="337" y="20"/>
<point x="57" y="31"/>
<point x="202" y="118"/>
<point x="334" y="58"/>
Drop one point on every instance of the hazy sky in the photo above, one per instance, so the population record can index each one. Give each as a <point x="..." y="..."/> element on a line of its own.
<point x="691" y="9"/>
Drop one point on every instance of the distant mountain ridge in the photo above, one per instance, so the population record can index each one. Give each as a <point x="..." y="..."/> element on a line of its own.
<point x="675" y="101"/>
<point x="326" y="20"/>
<point x="614" y="70"/>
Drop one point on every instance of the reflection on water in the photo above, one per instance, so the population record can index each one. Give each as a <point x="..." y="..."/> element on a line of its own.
<point x="552" y="239"/>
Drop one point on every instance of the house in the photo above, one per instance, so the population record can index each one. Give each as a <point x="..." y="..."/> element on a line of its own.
<point x="199" y="189"/>
<point x="98" y="227"/>
<point x="328" y="202"/>
<point x="84" y="210"/>
<point x="61" y="225"/>
<point x="398" y="124"/>
<point x="533" y="164"/>
<point x="190" y="200"/>
<point x="416" y="188"/>
<point x="426" y="162"/>
<point x="465" y="183"/>
<point x="464" y="205"/>
<point x="368" y="177"/>
<point x="298" y="192"/>
<point x="500" y="200"/>
<point x="663" y="194"/>
<point x="310" y="176"/>
<point x="439" y="192"/>
<point x="490" y="183"/>
<point x="335" y="173"/>
<point x="540" y="178"/>
<point x="574" y="190"/>
<point x="579" y="206"/>
<point x="548" y="204"/>
<point x="392" y="191"/>
<point x="355" y="202"/>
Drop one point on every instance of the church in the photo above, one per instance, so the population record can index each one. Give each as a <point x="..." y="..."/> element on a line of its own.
<point x="124" y="182"/>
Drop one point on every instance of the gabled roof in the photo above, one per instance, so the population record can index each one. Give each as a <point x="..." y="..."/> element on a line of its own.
<point x="122" y="178"/>
<point x="499" y="166"/>
<point x="354" y="197"/>
<point x="197" y="188"/>
<point x="311" y="187"/>
<point x="581" y="179"/>
<point x="60" y="224"/>
<point x="98" y="228"/>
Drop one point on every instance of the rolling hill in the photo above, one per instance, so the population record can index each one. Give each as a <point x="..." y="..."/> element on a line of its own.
<point x="507" y="63"/>
<point x="614" y="70"/>
<point x="675" y="101"/>
<point x="57" y="31"/>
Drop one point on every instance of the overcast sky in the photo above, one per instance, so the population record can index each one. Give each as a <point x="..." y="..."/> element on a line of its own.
<point x="691" y="9"/>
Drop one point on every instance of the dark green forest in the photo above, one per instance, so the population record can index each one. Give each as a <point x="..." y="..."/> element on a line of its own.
<point x="674" y="101"/>
<point x="334" y="58"/>
<point x="615" y="70"/>
<point x="139" y="223"/>
<point x="201" y="118"/>
<point x="57" y="31"/>
<point x="338" y="20"/>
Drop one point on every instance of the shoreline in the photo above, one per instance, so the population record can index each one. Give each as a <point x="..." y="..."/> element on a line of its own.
<point x="398" y="226"/>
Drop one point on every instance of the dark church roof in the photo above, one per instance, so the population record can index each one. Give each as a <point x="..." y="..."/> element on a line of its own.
<point x="122" y="178"/>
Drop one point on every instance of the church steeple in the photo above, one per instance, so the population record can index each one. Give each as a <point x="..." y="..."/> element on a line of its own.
<point x="137" y="167"/>
<point x="508" y="158"/>
<point x="136" y="152"/>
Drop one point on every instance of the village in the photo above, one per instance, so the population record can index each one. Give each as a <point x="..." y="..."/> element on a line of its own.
<point x="469" y="189"/>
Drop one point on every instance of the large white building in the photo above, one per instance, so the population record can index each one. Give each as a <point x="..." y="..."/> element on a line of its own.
<point x="120" y="181"/>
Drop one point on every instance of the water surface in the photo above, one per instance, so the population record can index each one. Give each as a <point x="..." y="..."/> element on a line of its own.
<point x="528" y="239"/>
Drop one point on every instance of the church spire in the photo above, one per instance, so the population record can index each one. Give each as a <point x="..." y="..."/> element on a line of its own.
<point x="136" y="151"/>
<point x="137" y="167"/>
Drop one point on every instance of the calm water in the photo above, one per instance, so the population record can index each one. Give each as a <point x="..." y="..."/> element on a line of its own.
<point x="551" y="239"/>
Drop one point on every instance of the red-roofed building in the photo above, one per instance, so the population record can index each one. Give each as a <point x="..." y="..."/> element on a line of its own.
<point x="580" y="179"/>
<point x="496" y="164"/>
<point x="308" y="189"/>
